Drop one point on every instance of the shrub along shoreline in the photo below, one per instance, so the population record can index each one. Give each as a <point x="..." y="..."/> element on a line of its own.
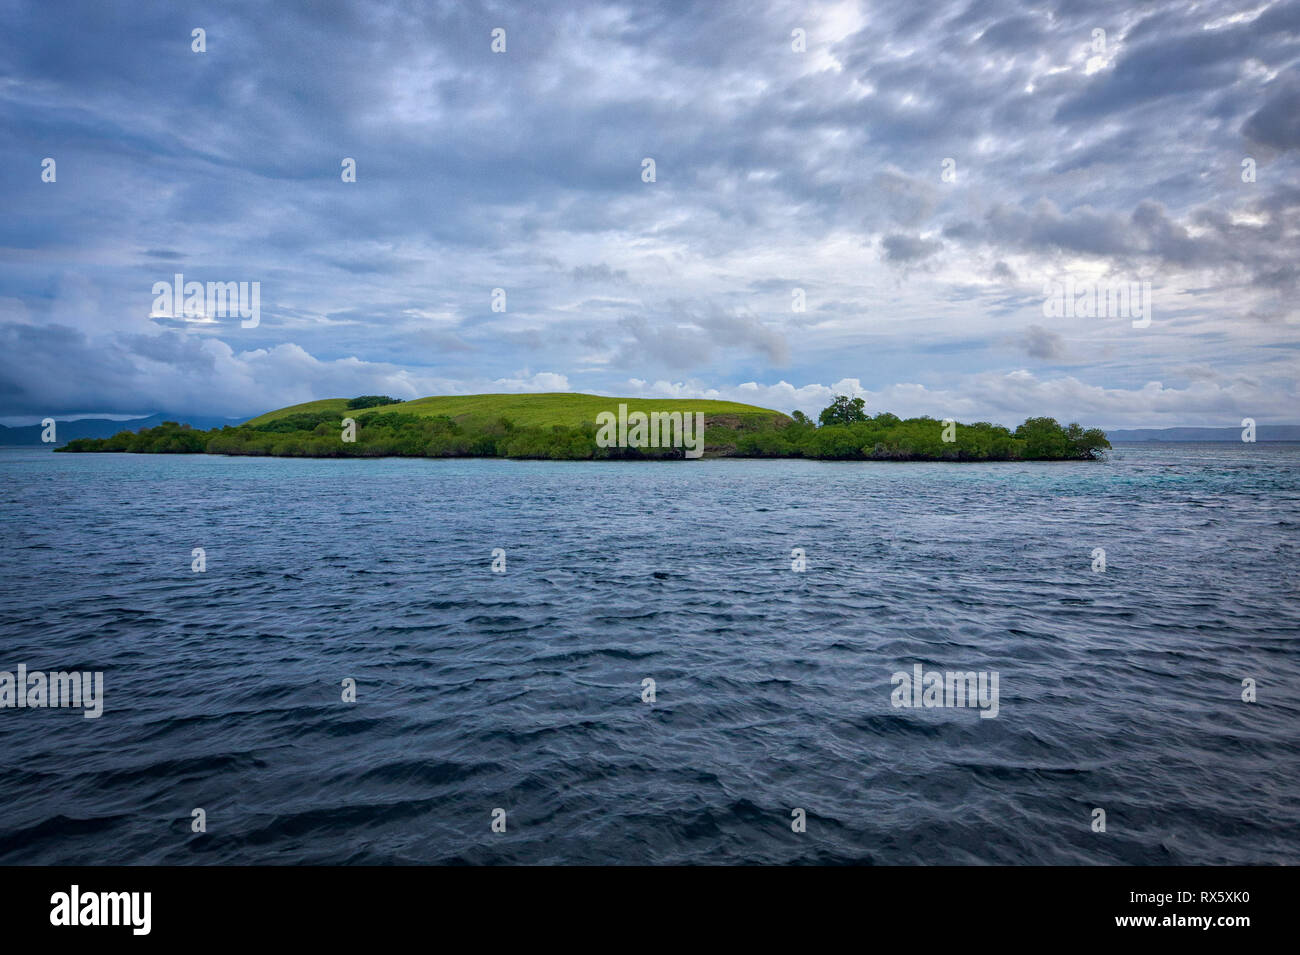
<point x="844" y="432"/>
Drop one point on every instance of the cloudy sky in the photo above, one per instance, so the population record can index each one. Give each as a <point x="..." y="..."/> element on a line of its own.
<point x="1094" y="156"/>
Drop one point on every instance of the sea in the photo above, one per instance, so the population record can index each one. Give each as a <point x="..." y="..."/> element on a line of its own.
<point x="410" y="661"/>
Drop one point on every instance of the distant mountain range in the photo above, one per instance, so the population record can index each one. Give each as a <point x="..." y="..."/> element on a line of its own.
<point x="1264" y="432"/>
<point x="65" y="431"/>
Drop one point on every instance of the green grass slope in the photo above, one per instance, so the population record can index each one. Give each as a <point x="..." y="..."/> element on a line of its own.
<point x="532" y="410"/>
<point x="307" y="407"/>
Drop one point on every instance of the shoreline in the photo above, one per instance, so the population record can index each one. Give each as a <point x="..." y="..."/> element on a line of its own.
<point x="619" y="459"/>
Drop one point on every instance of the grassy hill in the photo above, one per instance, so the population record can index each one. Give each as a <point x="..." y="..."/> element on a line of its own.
<point x="532" y="410"/>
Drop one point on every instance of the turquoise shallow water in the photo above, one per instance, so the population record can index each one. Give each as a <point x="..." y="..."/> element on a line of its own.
<point x="1118" y="690"/>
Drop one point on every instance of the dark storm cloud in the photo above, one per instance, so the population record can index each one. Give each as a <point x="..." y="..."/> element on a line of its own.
<point x="1015" y="32"/>
<point x="686" y="338"/>
<point x="1043" y="343"/>
<point x="522" y="171"/>
<point x="907" y="248"/>
<point x="1277" y="122"/>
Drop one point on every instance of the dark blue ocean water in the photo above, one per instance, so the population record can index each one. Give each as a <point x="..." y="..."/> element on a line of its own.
<point x="1118" y="690"/>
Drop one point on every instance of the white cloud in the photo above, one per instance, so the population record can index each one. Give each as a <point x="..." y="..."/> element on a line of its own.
<point x="1009" y="398"/>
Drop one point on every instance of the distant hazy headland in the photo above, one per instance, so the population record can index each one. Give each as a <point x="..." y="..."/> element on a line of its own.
<point x="1265" y="432"/>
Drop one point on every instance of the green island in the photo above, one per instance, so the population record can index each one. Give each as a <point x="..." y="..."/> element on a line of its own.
<point x="564" y="426"/>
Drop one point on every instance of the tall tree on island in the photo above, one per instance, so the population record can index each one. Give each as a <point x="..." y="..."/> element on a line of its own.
<point x="843" y="410"/>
